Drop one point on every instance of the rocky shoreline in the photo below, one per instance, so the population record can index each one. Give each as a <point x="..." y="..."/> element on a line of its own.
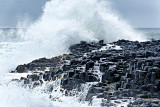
<point x="119" y="72"/>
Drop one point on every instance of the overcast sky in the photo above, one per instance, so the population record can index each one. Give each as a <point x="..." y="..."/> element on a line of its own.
<point x="11" y="11"/>
<point x="139" y="13"/>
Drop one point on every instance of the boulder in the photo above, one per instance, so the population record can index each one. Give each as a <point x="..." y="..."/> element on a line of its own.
<point x="20" y="69"/>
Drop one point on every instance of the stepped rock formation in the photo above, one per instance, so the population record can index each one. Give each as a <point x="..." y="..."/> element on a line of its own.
<point x="119" y="72"/>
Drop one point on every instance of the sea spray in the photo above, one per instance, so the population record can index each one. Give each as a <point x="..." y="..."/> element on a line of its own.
<point x="67" y="22"/>
<point x="63" y="23"/>
<point x="13" y="95"/>
<point x="71" y="21"/>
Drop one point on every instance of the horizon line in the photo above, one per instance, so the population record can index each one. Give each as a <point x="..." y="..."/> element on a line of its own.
<point x="133" y="28"/>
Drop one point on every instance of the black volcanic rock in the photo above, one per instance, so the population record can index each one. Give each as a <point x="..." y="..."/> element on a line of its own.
<point x="20" y="69"/>
<point x="132" y="71"/>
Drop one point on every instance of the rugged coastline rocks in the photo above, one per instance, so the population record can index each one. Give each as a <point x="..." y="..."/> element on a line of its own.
<point x="119" y="72"/>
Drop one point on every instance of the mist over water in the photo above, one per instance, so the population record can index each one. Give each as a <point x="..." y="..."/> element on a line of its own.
<point x="72" y="21"/>
<point x="12" y="95"/>
<point x="63" y="23"/>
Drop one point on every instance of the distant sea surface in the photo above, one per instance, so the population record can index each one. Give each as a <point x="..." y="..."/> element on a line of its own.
<point x="10" y="34"/>
<point x="150" y="33"/>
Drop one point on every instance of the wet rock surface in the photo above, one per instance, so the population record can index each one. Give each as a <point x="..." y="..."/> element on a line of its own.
<point x="119" y="72"/>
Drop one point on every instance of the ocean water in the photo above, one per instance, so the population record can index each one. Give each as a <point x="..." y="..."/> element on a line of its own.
<point x="150" y="33"/>
<point x="63" y="23"/>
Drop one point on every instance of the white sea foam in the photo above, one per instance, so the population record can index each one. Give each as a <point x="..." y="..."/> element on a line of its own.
<point x="12" y="95"/>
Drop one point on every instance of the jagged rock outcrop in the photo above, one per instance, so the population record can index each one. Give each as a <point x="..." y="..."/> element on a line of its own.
<point x="121" y="70"/>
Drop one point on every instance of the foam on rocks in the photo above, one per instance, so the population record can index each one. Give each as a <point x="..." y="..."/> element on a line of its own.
<point x="122" y="73"/>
